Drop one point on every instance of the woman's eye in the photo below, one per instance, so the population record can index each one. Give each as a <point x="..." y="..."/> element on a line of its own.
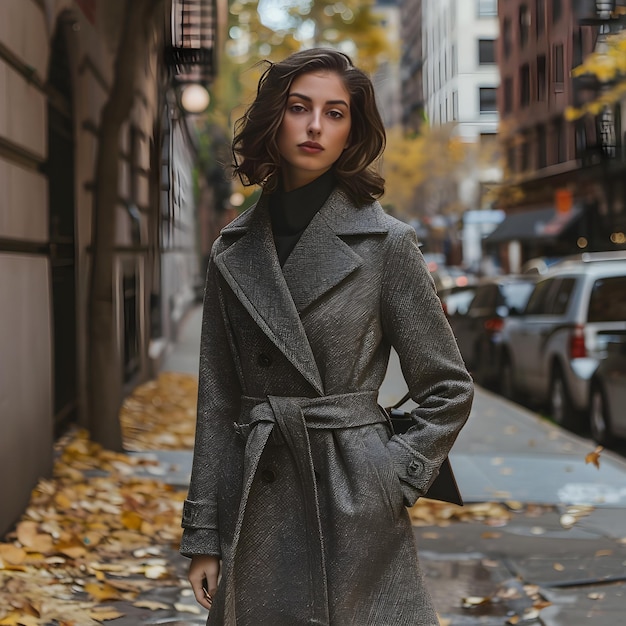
<point x="335" y="114"/>
<point x="297" y="108"/>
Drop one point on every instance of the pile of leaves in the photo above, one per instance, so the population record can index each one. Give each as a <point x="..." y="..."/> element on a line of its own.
<point x="95" y="532"/>
<point x="161" y="414"/>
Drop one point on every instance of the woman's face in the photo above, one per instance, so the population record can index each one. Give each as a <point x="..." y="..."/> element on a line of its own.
<point x="315" y="127"/>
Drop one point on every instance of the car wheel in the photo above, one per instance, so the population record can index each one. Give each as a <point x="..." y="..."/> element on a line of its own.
<point x="560" y="405"/>
<point x="507" y="381"/>
<point x="599" y="423"/>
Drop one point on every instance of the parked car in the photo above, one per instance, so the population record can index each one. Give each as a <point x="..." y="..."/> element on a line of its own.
<point x="551" y="351"/>
<point x="456" y="301"/>
<point x="539" y="265"/>
<point x="449" y="277"/>
<point x="607" y="404"/>
<point x="477" y="329"/>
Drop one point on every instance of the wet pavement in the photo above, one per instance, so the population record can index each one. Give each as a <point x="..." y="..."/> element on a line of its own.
<point x="550" y="564"/>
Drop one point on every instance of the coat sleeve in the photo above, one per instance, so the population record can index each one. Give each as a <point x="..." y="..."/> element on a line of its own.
<point x="219" y="393"/>
<point x="438" y="381"/>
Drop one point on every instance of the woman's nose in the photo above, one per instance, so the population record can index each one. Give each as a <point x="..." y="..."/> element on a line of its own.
<point x="314" y="125"/>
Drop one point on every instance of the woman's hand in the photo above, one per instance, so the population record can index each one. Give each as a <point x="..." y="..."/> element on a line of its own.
<point x="203" y="572"/>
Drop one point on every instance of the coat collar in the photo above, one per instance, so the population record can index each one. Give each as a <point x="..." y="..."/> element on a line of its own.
<point x="274" y="296"/>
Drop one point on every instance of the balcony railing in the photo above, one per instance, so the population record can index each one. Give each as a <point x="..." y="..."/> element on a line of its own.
<point x="191" y="55"/>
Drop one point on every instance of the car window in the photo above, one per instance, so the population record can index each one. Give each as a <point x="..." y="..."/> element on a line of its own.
<point x="516" y="295"/>
<point x="458" y="302"/>
<point x="485" y="298"/>
<point x="537" y="303"/>
<point x="608" y="300"/>
<point x="562" y="296"/>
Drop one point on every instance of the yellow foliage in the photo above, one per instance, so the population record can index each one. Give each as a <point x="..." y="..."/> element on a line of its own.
<point x="428" y="163"/>
<point x="608" y="65"/>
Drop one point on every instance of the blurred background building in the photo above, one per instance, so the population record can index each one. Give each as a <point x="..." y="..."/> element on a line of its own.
<point x="57" y="72"/>
<point x="387" y="81"/>
<point x="564" y="188"/>
<point x="450" y="77"/>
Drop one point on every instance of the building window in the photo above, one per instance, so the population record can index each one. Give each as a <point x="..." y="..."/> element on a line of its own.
<point x="542" y="147"/>
<point x="558" y="66"/>
<point x="524" y="24"/>
<point x="525" y="153"/>
<point x="540" y="17"/>
<point x="453" y="60"/>
<point x="486" y="51"/>
<point x="581" y="139"/>
<point x="524" y="79"/>
<point x="541" y="77"/>
<point x="488" y="100"/>
<point x="507" y="44"/>
<point x="561" y="140"/>
<point x="508" y="95"/>
<point x="577" y="47"/>
<point x="510" y="158"/>
<point x="487" y="8"/>
<point x="455" y="105"/>
<point x="557" y="10"/>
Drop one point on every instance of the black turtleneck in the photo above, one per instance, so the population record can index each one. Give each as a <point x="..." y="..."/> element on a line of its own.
<point x="292" y="211"/>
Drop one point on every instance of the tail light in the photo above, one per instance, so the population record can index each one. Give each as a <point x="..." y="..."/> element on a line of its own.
<point x="494" y="324"/>
<point x="577" y="348"/>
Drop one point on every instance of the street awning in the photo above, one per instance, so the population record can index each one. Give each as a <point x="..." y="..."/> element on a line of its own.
<point x="538" y="224"/>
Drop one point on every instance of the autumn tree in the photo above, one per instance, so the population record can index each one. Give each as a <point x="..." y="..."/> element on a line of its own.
<point x="423" y="171"/>
<point x="270" y="29"/>
<point x="138" y="19"/>
<point x="352" y="26"/>
<point x="607" y="67"/>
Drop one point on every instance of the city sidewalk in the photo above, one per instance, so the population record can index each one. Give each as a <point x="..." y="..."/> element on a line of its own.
<point x="540" y="540"/>
<point x="553" y="553"/>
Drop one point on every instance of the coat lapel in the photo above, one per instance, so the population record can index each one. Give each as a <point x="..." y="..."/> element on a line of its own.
<point x="250" y="266"/>
<point x="322" y="259"/>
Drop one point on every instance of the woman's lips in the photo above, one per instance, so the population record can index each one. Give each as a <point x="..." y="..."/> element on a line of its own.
<point x="311" y="146"/>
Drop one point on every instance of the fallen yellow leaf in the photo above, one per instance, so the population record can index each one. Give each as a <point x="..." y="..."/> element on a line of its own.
<point x="472" y="601"/>
<point x="105" y="613"/>
<point x="11" y="554"/>
<point x="594" y="457"/>
<point x="102" y="592"/>
<point x="153" y="606"/>
<point x="187" y="608"/>
<point x="131" y="520"/>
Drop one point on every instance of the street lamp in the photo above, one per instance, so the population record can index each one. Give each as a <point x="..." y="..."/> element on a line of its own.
<point x="194" y="98"/>
<point x="191" y="53"/>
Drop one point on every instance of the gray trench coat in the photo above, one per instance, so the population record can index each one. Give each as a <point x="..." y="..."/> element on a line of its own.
<point x="297" y="482"/>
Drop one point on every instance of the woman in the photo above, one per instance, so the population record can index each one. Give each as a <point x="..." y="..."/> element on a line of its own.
<point x="299" y="488"/>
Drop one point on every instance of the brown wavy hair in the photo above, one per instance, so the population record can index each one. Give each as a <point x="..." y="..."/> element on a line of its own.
<point x="257" y="159"/>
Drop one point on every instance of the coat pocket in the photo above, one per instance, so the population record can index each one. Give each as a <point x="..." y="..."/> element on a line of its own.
<point x="373" y="438"/>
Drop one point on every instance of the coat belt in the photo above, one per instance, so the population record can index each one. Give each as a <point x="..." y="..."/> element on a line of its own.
<point x="289" y="419"/>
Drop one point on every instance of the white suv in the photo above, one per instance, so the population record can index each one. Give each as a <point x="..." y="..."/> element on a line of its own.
<point x="550" y="352"/>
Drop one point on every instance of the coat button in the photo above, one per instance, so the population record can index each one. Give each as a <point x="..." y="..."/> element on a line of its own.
<point x="264" y="360"/>
<point x="414" y="468"/>
<point x="268" y="475"/>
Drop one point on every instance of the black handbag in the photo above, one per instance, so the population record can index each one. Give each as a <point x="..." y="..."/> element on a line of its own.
<point x="444" y="487"/>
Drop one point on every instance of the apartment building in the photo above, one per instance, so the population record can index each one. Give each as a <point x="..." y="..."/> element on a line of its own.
<point x="553" y="165"/>
<point x="56" y="74"/>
